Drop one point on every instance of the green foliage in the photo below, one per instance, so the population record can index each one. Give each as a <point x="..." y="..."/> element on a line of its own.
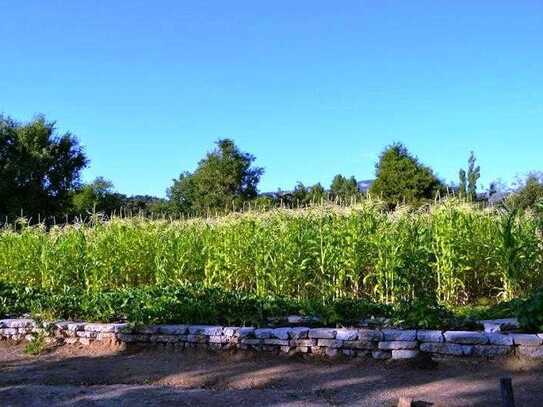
<point x="401" y="178"/>
<point x="224" y="180"/>
<point x="36" y="345"/>
<point x="468" y="183"/>
<point x="529" y="193"/>
<point x="344" y="188"/>
<point x="98" y="196"/>
<point x="423" y="313"/>
<point x="453" y="252"/>
<point x="531" y="312"/>
<point x="38" y="169"/>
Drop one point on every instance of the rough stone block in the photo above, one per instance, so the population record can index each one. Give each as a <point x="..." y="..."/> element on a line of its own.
<point x="404" y="353"/>
<point x="164" y="338"/>
<point x="131" y="338"/>
<point x="106" y="336"/>
<point x="305" y="342"/>
<point x="370" y="335"/>
<point x="360" y="345"/>
<point x="75" y="326"/>
<point x="490" y="351"/>
<point x="250" y="341"/>
<point x="246" y="332"/>
<point x="173" y="329"/>
<point x="533" y="352"/>
<point x="381" y="354"/>
<point x="330" y="343"/>
<point x="394" y="345"/>
<point x="208" y="330"/>
<point x="345" y="334"/>
<point x="95" y="327"/>
<point x="322" y="333"/>
<point x="277" y="342"/>
<point x="399" y="335"/>
<point x="430" y="336"/>
<point x="332" y="352"/>
<point x="230" y="331"/>
<point x="466" y="337"/>
<point x="9" y="331"/>
<point x="201" y="338"/>
<point x="85" y="334"/>
<point x="299" y="332"/>
<point x="281" y="333"/>
<point x="348" y="352"/>
<point x="496" y="338"/>
<point x="442" y="348"/>
<point x="18" y="323"/>
<point x="263" y="333"/>
<point x="526" y="339"/>
<point x="147" y="330"/>
<point x="498" y="325"/>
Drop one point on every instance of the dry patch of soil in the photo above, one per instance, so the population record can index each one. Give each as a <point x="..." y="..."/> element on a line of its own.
<point x="98" y="376"/>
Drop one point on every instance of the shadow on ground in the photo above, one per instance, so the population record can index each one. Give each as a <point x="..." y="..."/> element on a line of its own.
<point x="94" y="375"/>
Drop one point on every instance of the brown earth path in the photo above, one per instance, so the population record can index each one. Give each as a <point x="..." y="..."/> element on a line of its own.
<point x="97" y="376"/>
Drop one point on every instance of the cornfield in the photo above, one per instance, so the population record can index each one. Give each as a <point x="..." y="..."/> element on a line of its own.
<point x="451" y="251"/>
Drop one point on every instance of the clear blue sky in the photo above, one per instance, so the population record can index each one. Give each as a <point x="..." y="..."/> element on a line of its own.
<point x="312" y="88"/>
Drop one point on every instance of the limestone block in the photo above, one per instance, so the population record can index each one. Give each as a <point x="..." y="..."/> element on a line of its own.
<point x="466" y="337"/>
<point x="404" y="353"/>
<point x="399" y="335"/>
<point x="442" y="348"/>
<point x="430" y="336"/>
<point x="395" y="345"/>
<point x="322" y="333"/>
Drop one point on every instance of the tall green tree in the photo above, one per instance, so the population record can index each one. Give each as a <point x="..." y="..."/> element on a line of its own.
<point x="224" y="179"/>
<point x="343" y="188"/>
<point x="39" y="168"/>
<point x="468" y="182"/>
<point x="400" y="177"/>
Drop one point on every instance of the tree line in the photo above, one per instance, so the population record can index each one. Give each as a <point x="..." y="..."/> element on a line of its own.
<point x="40" y="178"/>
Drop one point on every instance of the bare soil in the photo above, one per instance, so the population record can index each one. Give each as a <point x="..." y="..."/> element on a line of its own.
<point x="99" y="376"/>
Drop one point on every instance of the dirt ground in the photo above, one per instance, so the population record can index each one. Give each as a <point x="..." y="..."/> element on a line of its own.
<point x="97" y="376"/>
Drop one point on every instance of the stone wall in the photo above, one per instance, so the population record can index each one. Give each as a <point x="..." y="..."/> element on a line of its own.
<point x="329" y="342"/>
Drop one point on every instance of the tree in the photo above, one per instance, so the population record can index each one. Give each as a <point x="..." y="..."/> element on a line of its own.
<point x="98" y="196"/>
<point x="224" y="179"/>
<point x="468" y="183"/>
<point x="39" y="169"/>
<point x="316" y="193"/>
<point x="344" y="188"/>
<point x="400" y="177"/>
<point x="528" y="193"/>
